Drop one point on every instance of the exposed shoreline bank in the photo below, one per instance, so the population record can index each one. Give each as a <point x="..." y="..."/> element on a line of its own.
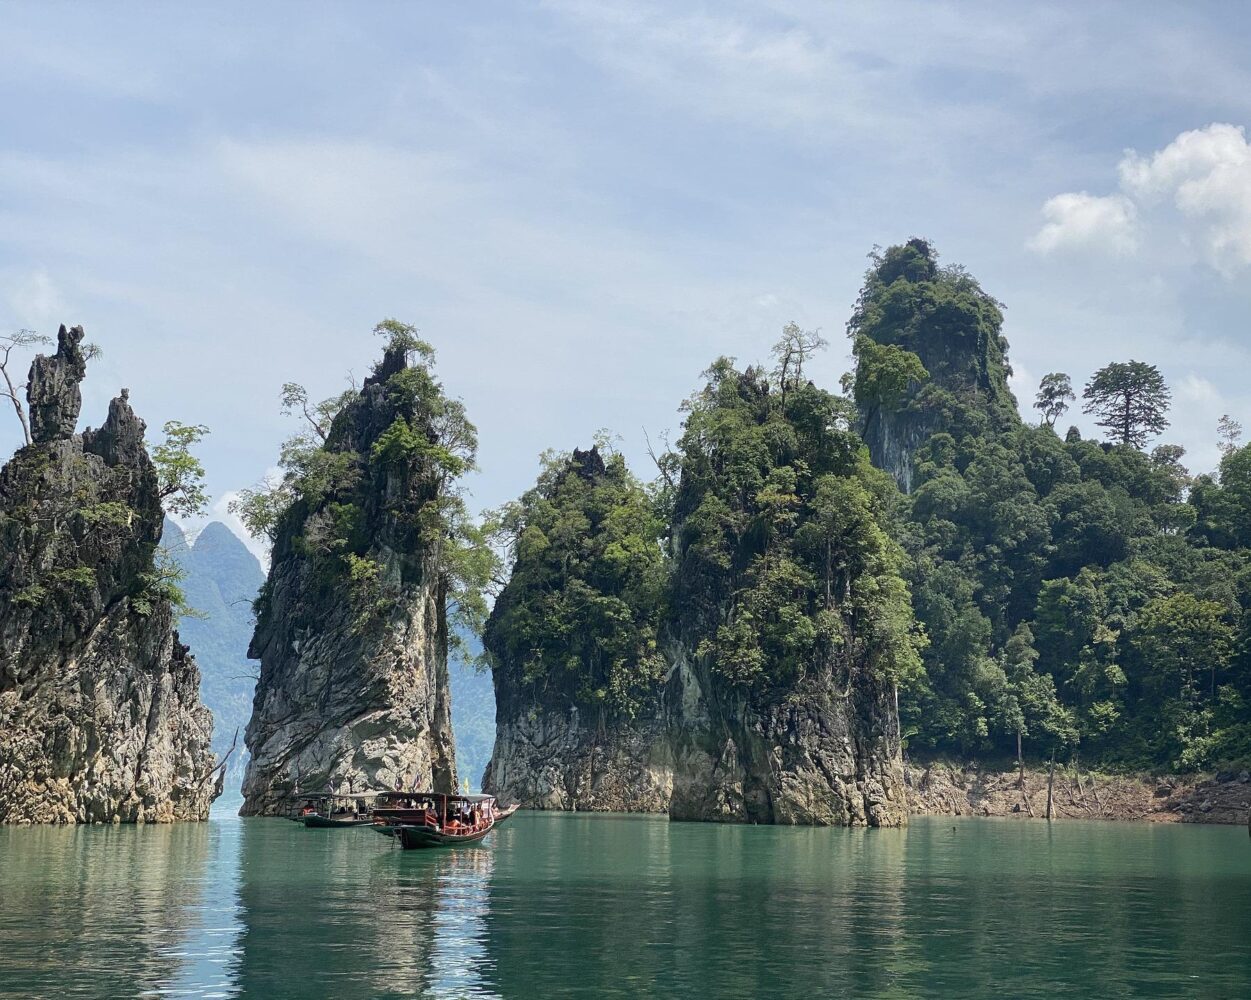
<point x="944" y="788"/>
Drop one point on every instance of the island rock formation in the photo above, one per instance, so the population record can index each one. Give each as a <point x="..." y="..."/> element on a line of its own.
<point x="753" y="680"/>
<point x="352" y="629"/>
<point x="571" y="641"/>
<point x="789" y="623"/>
<point x="100" y="712"/>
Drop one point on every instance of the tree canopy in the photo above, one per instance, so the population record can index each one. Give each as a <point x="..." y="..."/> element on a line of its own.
<point x="1055" y="392"/>
<point x="577" y="622"/>
<point x="1046" y="570"/>
<point x="1131" y="401"/>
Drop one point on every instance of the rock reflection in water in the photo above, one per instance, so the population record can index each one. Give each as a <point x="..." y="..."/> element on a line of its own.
<point x="349" y="913"/>
<point x="111" y="911"/>
<point x="682" y="909"/>
<point x="612" y="906"/>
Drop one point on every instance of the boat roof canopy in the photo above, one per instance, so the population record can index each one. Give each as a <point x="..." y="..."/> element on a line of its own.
<point x="435" y="795"/>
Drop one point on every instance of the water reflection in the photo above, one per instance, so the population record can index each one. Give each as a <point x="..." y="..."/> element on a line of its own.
<point x="105" y="911"/>
<point x="698" y="910"/>
<point x="586" y="905"/>
<point x="349" y="913"/>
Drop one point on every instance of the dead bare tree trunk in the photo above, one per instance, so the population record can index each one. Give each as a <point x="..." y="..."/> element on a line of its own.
<point x="1051" y="781"/>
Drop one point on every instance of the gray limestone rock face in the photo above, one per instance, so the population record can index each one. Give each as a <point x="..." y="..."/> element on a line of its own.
<point x="819" y="755"/>
<point x="100" y="716"/>
<point x="52" y="388"/>
<point x="348" y="712"/>
<point x="551" y="760"/>
<point x="893" y="439"/>
<point x="353" y="693"/>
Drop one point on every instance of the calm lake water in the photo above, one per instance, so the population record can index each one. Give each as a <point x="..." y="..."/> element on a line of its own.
<point x="585" y="905"/>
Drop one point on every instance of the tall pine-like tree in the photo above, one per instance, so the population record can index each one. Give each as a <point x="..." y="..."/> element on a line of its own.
<point x="1131" y="401"/>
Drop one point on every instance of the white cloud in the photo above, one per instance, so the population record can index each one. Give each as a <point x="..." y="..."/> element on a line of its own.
<point x="1078" y="220"/>
<point x="1207" y="173"/>
<point x="1198" y="404"/>
<point x="1204" y="175"/>
<point x="1196" y="389"/>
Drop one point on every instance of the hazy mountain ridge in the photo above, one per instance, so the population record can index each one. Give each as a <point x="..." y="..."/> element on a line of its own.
<point x="222" y="579"/>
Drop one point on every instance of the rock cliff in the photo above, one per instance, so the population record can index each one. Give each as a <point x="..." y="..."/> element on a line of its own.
<point x="572" y="645"/>
<point x="816" y="754"/>
<point x="912" y="307"/>
<point x="352" y="629"/>
<point x="549" y="759"/>
<point x="100" y="714"/>
<point x="789" y="623"/>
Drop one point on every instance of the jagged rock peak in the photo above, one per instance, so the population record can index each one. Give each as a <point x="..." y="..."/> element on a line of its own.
<point x="100" y="712"/>
<point x="930" y="357"/>
<point x="52" y="389"/>
<point x="351" y="626"/>
<point x="120" y="440"/>
<point x="394" y="360"/>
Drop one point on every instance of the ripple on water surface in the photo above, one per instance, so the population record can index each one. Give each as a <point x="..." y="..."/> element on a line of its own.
<point x="562" y="905"/>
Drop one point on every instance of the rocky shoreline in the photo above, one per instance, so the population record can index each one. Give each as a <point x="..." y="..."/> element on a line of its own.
<point x="946" y="788"/>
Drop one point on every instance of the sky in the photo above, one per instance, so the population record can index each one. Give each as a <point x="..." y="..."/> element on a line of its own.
<point x="582" y="203"/>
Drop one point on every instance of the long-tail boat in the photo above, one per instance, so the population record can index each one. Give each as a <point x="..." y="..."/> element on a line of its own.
<point x="432" y="819"/>
<point x="505" y="813"/>
<point x="337" y="810"/>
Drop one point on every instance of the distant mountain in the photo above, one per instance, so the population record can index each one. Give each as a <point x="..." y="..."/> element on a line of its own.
<point x="222" y="578"/>
<point x="473" y="715"/>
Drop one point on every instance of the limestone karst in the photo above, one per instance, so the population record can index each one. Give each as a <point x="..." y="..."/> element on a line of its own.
<point x="725" y="650"/>
<point x="352" y="622"/>
<point x="100" y="713"/>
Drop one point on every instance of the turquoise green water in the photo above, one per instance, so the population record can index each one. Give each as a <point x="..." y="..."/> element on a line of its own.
<point x="625" y="906"/>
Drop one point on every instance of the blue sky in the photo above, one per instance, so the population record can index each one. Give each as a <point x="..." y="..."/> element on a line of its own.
<point x="583" y="203"/>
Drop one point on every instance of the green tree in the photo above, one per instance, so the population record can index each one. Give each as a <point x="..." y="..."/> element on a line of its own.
<point x="794" y="348"/>
<point x="1228" y="434"/>
<point x="785" y="569"/>
<point x="883" y="374"/>
<point x="1184" y="646"/>
<point x="1236" y="491"/>
<point x="1131" y="401"/>
<point x="577" y="621"/>
<point x="179" y="473"/>
<point x="1055" y="392"/>
<point x="309" y="470"/>
<point x="12" y="388"/>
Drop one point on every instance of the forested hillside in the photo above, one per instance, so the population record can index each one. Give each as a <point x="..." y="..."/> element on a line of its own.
<point x="1085" y="596"/>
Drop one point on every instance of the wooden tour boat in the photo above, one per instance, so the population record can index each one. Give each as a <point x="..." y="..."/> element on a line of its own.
<point x="431" y="819"/>
<point x="505" y="813"/>
<point x="332" y="811"/>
